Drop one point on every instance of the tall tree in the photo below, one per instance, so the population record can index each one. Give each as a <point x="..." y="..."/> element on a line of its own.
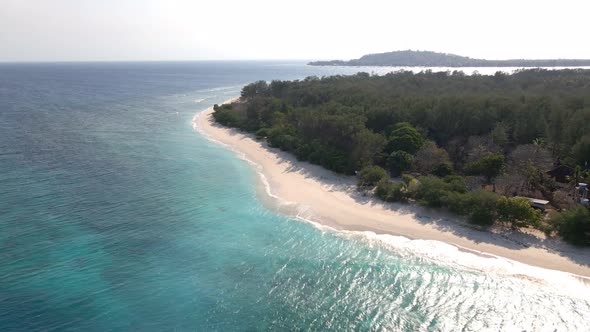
<point x="405" y="137"/>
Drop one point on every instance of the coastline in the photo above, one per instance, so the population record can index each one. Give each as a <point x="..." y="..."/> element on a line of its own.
<point x="314" y="194"/>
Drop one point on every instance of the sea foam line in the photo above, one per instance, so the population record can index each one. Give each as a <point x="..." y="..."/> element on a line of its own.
<point x="438" y="252"/>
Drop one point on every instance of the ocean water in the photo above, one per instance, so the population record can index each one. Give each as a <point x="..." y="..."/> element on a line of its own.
<point x="115" y="215"/>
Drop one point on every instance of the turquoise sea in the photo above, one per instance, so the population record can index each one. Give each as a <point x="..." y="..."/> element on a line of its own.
<point x="116" y="215"/>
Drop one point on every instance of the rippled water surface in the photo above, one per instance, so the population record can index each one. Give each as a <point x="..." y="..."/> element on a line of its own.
<point x="116" y="215"/>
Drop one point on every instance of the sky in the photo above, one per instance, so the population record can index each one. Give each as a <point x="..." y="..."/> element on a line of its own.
<point x="119" y="30"/>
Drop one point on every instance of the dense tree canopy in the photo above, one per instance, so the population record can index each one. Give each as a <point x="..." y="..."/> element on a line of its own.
<point x="365" y="118"/>
<point x="489" y="166"/>
<point x="404" y="137"/>
<point x="517" y="211"/>
<point x="400" y="161"/>
<point x="574" y="226"/>
<point x="371" y="175"/>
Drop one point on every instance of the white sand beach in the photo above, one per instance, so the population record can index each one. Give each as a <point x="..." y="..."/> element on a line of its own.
<point x="331" y="199"/>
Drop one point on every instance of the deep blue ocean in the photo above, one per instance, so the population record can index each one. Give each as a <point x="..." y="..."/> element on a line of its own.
<point x="116" y="215"/>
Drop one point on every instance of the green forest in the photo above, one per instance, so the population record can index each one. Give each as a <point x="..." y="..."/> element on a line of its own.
<point x="473" y="144"/>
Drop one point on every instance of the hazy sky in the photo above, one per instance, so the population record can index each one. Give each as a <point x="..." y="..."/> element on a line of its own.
<point x="70" y="30"/>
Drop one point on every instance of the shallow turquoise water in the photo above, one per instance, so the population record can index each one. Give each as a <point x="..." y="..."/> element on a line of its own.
<point x="116" y="215"/>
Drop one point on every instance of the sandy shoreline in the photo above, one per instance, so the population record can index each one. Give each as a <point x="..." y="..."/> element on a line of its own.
<point x="319" y="195"/>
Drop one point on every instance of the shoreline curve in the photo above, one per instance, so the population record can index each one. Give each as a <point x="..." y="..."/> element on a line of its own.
<point x="329" y="201"/>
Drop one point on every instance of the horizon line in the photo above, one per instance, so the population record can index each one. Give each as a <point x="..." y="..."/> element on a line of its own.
<point x="130" y="61"/>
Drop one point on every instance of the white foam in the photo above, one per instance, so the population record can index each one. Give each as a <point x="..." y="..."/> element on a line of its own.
<point x="222" y="88"/>
<point x="455" y="256"/>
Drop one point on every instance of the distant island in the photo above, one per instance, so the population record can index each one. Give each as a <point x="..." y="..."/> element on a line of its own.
<point x="435" y="59"/>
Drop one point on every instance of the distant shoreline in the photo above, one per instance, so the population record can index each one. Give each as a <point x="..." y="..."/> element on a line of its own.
<point x="339" y="63"/>
<point x="411" y="58"/>
<point x="329" y="199"/>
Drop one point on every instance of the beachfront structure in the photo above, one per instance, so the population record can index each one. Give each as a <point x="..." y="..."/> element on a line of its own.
<point x="583" y="190"/>
<point x="537" y="203"/>
<point x="582" y="194"/>
<point x="561" y="173"/>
